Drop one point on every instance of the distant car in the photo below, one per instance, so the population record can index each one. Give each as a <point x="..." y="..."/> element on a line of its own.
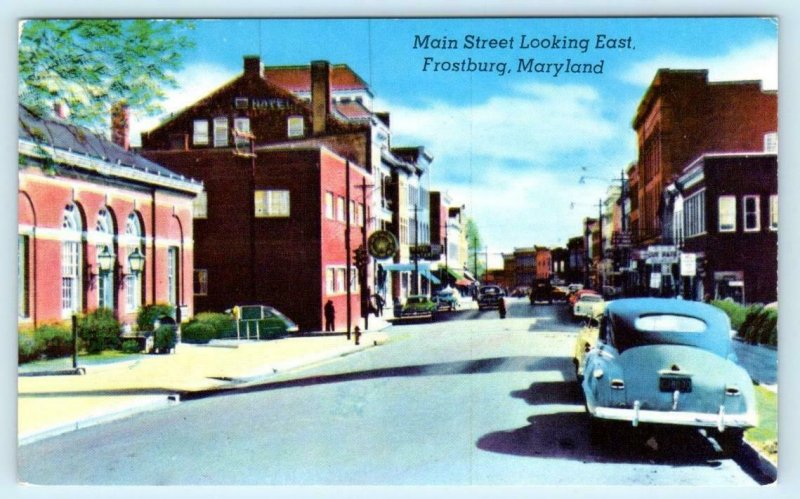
<point x="262" y="322"/>
<point x="418" y="307"/>
<point x="611" y="292"/>
<point x="542" y="291"/>
<point x="574" y="287"/>
<point x="446" y="299"/>
<point x="559" y="293"/>
<point x="667" y="362"/>
<point x="489" y="297"/>
<point x="577" y="294"/>
<point x="585" y="305"/>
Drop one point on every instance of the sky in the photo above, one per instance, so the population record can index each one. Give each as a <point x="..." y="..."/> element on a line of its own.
<point x="512" y="142"/>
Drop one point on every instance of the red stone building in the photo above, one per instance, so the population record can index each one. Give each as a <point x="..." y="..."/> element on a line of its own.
<point x="282" y="177"/>
<point x="83" y="199"/>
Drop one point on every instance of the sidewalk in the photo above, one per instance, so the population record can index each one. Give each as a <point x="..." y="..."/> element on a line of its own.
<point x="49" y="405"/>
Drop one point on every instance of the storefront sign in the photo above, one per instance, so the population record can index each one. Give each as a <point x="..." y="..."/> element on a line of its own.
<point x="664" y="254"/>
<point x="688" y="264"/>
<point x="655" y="280"/>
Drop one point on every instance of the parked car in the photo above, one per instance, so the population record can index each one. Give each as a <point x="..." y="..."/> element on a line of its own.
<point x="261" y="322"/>
<point x="577" y="294"/>
<point x="587" y="338"/>
<point x="585" y="304"/>
<point x="611" y="292"/>
<point x="559" y="293"/>
<point x="667" y="362"/>
<point x="489" y="296"/>
<point x="446" y="299"/>
<point x="418" y="307"/>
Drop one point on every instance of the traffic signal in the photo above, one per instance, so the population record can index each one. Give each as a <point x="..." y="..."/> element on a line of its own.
<point x="360" y="256"/>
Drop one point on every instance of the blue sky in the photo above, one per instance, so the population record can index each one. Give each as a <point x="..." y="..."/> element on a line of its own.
<point x="511" y="147"/>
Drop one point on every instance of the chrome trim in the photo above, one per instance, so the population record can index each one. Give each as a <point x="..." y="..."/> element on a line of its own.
<point x="637" y="415"/>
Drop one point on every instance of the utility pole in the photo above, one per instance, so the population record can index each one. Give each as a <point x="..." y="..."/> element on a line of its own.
<point x="415" y="279"/>
<point x="348" y="256"/>
<point x="362" y="271"/>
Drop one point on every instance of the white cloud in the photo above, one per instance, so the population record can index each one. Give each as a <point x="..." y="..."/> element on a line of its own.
<point x="534" y="123"/>
<point x="758" y="61"/>
<point x="194" y="82"/>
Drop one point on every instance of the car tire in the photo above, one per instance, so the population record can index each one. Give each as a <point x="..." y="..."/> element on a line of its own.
<point x="599" y="432"/>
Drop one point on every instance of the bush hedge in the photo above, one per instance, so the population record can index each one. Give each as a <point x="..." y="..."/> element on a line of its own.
<point x="99" y="331"/>
<point x="53" y="340"/>
<point x="165" y="338"/>
<point x="755" y="323"/>
<point x="197" y="332"/>
<point x="27" y="348"/>
<point x="148" y="314"/>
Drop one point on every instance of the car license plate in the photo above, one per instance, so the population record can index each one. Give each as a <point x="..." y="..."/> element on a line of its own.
<point x="675" y="383"/>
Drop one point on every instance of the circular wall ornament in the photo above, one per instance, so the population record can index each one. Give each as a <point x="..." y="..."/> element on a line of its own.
<point x="382" y="244"/>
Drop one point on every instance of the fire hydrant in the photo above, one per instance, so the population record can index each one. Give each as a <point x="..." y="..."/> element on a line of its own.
<point x="357" y="334"/>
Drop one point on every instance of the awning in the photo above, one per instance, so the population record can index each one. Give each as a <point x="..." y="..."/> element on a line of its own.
<point x="426" y="273"/>
<point x="451" y="272"/>
<point x="407" y="267"/>
<point x="463" y="282"/>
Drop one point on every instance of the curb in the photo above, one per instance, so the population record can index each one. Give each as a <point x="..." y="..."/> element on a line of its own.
<point x="106" y="417"/>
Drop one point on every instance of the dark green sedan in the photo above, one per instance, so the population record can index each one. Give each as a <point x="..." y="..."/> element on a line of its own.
<point x="418" y="307"/>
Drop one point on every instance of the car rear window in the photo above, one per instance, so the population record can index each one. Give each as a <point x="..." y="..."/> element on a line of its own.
<point x="591" y="298"/>
<point x="665" y="323"/>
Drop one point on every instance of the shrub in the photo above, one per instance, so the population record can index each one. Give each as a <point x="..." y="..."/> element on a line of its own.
<point x="54" y="340"/>
<point x="165" y="338"/>
<point x="149" y="313"/>
<point x="221" y="323"/>
<point x="26" y="348"/>
<point x="197" y="332"/>
<point x="99" y="331"/>
<point x="736" y="312"/>
<point x="761" y="326"/>
<point x="131" y="346"/>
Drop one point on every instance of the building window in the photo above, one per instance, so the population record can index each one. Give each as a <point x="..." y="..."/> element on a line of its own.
<point x="353" y="213"/>
<point x="272" y="204"/>
<point x="340" y="209"/>
<point x="353" y="279"/>
<point x="172" y="275"/>
<point x="241" y="125"/>
<point x="23" y="277"/>
<point x="201" y="282"/>
<point x="200" y="133"/>
<point x="359" y="214"/>
<point x="295" y="126"/>
<point x="341" y="280"/>
<point x="773" y="212"/>
<point x="694" y="213"/>
<point x="241" y="103"/>
<point x="329" y="208"/>
<point x="133" y="281"/>
<point x="70" y="277"/>
<point x="727" y="213"/>
<point x="752" y="214"/>
<point x="771" y="142"/>
<point x="330" y="281"/>
<point x="200" y="206"/>
<point x="220" y="132"/>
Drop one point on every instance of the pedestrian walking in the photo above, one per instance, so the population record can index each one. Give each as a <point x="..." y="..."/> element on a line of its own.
<point x="379" y="305"/>
<point x="330" y="316"/>
<point x="502" y="308"/>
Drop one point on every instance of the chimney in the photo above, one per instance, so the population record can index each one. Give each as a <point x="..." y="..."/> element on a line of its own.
<point x="120" y="125"/>
<point x="252" y="66"/>
<point x="320" y="95"/>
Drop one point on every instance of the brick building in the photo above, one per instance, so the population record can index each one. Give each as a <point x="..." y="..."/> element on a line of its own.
<point x="98" y="226"/>
<point x="683" y="116"/>
<point x="283" y="210"/>
<point x="724" y="213"/>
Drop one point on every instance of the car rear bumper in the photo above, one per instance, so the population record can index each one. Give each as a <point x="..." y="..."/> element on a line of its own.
<point x="719" y="420"/>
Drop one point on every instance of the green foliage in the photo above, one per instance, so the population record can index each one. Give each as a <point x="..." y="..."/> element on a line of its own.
<point x="54" y="340"/>
<point x="222" y="323"/>
<point x="474" y="245"/>
<point x="148" y="314"/>
<point x="165" y="338"/>
<point x="197" y="332"/>
<point x="736" y="312"/>
<point x="26" y="348"/>
<point x="765" y="435"/>
<point x="130" y="346"/>
<point x="91" y="64"/>
<point x="99" y="330"/>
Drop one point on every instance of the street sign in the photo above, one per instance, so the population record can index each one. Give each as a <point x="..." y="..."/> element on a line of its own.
<point x="655" y="280"/>
<point x="662" y="254"/>
<point x="426" y="251"/>
<point x="688" y="264"/>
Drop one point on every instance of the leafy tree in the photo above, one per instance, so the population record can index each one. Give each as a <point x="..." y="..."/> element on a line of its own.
<point x="92" y="64"/>
<point x="474" y="244"/>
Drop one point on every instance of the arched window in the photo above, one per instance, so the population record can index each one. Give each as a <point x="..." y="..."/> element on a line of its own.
<point x="71" y="261"/>
<point x="105" y="241"/>
<point x="133" y="279"/>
